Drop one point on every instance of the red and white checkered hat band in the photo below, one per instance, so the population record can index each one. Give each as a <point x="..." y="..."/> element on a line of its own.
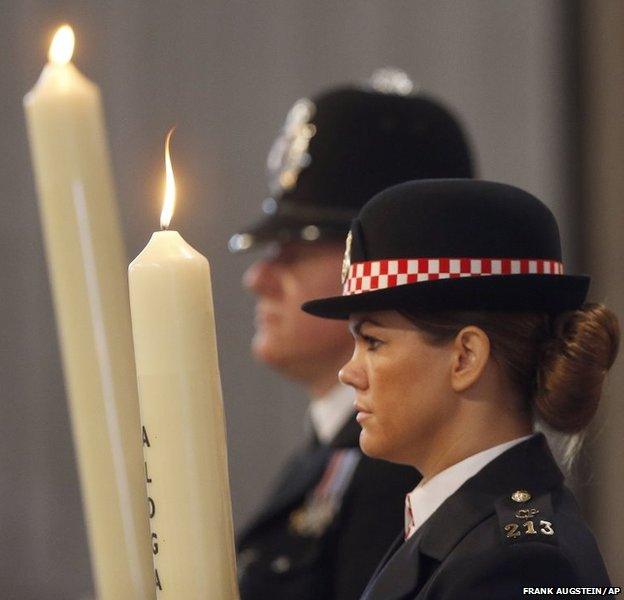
<point x="382" y="274"/>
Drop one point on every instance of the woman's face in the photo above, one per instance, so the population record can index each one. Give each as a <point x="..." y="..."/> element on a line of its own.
<point x="403" y="384"/>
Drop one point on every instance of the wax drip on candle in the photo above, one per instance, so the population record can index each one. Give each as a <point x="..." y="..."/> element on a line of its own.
<point x="170" y="187"/>
<point x="62" y="46"/>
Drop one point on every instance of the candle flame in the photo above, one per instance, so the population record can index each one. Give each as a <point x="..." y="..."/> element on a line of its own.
<point x="62" y="46"/>
<point x="170" y="187"/>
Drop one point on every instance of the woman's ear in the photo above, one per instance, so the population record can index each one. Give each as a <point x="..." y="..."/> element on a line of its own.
<point x="471" y="352"/>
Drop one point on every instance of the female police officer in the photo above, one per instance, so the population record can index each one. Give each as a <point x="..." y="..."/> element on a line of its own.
<point x="467" y="335"/>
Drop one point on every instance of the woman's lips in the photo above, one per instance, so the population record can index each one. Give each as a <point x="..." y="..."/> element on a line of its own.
<point x="362" y="416"/>
<point x="362" y="413"/>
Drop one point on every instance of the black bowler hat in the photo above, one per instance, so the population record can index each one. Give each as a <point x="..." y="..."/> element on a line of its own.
<point x="340" y="148"/>
<point x="453" y="244"/>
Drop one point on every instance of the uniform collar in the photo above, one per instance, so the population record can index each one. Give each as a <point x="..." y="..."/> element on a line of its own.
<point x="329" y="414"/>
<point x="429" y="495"/>
<point x="528" y="465"/>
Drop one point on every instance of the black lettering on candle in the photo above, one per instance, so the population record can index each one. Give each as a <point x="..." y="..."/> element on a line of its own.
<point x="146" y="441"/>
<point x="158" y="584"/>
<point x="152" y="507"/>
<point x="155" y="544"/>
<point x="147" y="477"/>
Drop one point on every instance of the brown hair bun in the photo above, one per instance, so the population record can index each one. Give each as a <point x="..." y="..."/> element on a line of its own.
<point x="573" y="365"/>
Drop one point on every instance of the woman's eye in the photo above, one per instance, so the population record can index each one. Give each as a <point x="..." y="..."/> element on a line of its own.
<point x="371" y="342"/>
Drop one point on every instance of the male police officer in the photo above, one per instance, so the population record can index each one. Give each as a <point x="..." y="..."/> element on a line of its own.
<point x="334" y="511"/>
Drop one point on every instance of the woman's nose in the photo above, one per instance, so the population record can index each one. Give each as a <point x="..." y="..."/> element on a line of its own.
<point x="354" y="375"/>
<point x="260" y="278"/>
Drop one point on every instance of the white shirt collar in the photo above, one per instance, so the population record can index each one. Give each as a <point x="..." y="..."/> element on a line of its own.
<point x="427" y="497"/>
<point x="329" y="413"/>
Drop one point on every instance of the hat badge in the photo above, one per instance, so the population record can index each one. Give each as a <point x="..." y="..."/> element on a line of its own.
<point x="289" y="154"/>
<point x="346" y="261"/>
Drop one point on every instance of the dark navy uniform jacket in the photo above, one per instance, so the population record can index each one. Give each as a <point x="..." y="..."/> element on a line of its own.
<point x="511" y="526"/>
<point x="278" y="559"/>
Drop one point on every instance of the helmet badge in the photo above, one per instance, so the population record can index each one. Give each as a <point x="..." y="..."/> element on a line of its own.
<point x="289" y="153"/>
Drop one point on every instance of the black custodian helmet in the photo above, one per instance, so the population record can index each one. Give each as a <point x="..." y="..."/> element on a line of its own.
<point x="341" y="147"/>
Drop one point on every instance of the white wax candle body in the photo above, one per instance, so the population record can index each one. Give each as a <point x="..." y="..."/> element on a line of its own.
<point x="184" y="439"/>
<point x="86" y="263"/>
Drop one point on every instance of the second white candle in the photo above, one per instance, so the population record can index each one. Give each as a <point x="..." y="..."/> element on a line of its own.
<point x="183" y="421"/>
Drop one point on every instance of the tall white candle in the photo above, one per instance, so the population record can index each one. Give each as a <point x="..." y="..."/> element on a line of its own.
<point x="182" y="413"/>
<point x="86" y="264"/>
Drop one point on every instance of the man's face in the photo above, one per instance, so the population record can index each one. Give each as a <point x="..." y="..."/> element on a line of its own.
<point x="294" y="343"/>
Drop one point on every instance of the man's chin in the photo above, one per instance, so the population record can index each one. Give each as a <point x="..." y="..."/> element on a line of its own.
<point x="271" y="353"/>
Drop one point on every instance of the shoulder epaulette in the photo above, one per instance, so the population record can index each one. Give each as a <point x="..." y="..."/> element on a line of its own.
<point x="524" y="517"/>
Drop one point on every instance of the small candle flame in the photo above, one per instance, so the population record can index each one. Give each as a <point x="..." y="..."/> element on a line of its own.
<point x="62" y="46"/>
<point x="170" y="187"/>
